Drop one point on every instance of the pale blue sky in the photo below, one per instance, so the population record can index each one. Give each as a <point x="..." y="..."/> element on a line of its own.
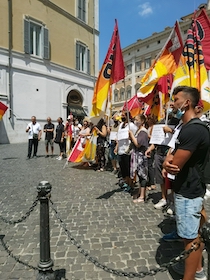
<point x="138" y="19"/>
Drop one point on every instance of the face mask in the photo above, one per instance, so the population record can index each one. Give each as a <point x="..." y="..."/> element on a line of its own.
<point x="76" y="122"/>
<point x="180" y="113"/>
<point x="123" y="119"/>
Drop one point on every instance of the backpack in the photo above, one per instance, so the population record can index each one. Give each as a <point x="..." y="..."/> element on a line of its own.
<point x="206" y="174"/>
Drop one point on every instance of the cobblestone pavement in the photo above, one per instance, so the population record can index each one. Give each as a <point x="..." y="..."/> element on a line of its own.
<point x="98" y="214"/>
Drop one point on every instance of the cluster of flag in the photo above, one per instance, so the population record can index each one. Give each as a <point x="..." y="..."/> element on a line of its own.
<point x="176" y="64"/>
<point x="187" y="64"/>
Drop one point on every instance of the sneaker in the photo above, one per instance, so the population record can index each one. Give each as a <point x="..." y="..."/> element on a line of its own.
<point x="59" y="158"/>
<point x="172" y="236"/>
<point x="160" y="204"/>
<point x="170" y="210"/>
<point x="200" y="275"/>
<point x="180" y="266"/>
<point x="127" y="189"/>
<point x="207" y="194"/>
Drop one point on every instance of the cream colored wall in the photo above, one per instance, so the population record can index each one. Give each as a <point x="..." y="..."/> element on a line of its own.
<point x="63" y="32"/>
<point x="4" y="24"/>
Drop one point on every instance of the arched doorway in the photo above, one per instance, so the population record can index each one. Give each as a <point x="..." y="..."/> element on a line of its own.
<point x="74" y="101"/>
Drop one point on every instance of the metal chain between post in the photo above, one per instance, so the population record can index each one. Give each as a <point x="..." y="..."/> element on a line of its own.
<point x="23" y="217"/>
<point x="141" y="274"/>
<point x="17" y="258"/>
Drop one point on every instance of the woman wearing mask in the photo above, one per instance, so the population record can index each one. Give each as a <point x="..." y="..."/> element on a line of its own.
<point x="100" y="149"/>
<point x="122" y="148"/>
<point x="139" y="163"/>
<point x="59" y="137"/>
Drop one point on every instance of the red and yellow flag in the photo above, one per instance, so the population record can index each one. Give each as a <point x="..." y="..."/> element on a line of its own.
<point x="203" y="26"/>
<point x="159" y="96"/>
<point x="111" y="72"/>
<point x="166" y="63"/>
<point x="3" y="109"/>
<point x="191" y="70"/>
<point x="134" y="106"/>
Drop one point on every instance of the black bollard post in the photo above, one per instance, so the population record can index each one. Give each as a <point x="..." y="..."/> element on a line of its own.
<point x="45" y="264"/>
<point x="205" y="234"/>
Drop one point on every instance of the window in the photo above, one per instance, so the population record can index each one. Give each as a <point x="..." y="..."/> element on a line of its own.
<point x="122" y="94"/>
<point x="36" y="39"/>
<point x="82" y="10"/>
<point x="147" y="62"/>
<point x="128" y="92"/>
<point x="115" y="95"/>
<point x="82" y="58"/>
<point x="138" y="66"/>
<point x="158" y="41"/>
<point x="129" y="69"/>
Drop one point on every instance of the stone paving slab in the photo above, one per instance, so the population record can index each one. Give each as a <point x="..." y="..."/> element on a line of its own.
<point x="99" y="216"/>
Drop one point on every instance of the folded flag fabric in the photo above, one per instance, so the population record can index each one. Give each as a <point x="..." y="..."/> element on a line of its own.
<point x="89" y="153"/>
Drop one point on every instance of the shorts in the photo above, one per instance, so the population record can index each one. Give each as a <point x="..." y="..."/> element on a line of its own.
<point x="188" y="215"/>
<point x="47" y="141"/>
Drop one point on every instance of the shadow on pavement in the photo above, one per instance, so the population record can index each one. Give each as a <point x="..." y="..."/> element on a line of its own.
<point x="107" y="195"/>
<point x="60" y="274"/>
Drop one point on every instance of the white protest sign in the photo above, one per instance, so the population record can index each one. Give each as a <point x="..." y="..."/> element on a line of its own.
<point x="122" y="134"/>
<point x="158" y="136"/>
<point x="113" y="135"/>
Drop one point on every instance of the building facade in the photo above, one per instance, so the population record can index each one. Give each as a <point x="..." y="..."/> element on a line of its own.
<point x="139" y="56"/>
<point x="49" y="56"/>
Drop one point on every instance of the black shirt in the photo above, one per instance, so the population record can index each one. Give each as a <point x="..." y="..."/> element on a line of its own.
<point x="189" y="181"/>
<point x="49" y="135"/>
<point x="59" y="131"/>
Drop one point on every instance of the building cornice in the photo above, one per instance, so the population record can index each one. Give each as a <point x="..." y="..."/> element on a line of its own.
<point x="69" y="16"/>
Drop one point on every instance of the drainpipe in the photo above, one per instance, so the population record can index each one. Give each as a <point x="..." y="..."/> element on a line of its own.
<point x="10" y="58"/>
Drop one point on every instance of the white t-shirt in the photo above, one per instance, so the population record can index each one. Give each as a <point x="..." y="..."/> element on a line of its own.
<point x="123" y="137"/>
<point x="34" y="129"/>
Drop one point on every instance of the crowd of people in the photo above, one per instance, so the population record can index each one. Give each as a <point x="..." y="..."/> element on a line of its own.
<point x="124" y="144"/>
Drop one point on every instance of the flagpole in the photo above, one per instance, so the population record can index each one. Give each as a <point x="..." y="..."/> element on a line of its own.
<point x="126" y="100"/>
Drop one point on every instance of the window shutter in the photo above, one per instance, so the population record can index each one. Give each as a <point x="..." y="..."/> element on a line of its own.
<point x="79" y="9"/>
<point x="46" y="53"/>
<point x="84" y="10"/>
<point x="26" y="36"/>
<point x="77" y="56"/>
<point x="88" y="61"/>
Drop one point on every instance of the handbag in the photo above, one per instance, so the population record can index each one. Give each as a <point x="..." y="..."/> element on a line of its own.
<point x="35" y="136"/>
